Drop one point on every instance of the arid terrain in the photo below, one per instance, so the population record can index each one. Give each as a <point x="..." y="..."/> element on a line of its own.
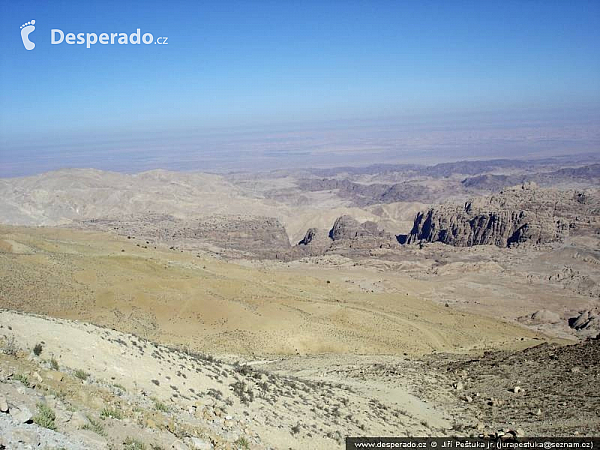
<point x="290" y="309"/>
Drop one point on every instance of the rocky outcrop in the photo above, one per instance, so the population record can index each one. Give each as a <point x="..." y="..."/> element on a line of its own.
<point x="501" y="228"/>
<point x="351" y="237"/>
<point x="257" y="235"/>
<point x="247" y="233"/>
<point x="524" y="214"/>
<point x="316" y="238"/>
<point x="588" y="321"/>
<point x="545" y="316"/>
<point x="347" y="236"/>
<point x="370" y="194"/>
<point x="588" y="175"/>
<point x="346" y="227"/>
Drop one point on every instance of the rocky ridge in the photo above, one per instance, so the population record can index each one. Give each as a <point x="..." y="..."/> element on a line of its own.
<point x="244" y="234"/>
<point x="522" y="214"/>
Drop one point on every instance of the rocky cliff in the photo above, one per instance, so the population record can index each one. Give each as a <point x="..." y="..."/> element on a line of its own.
<point x="316" y="238"/>
<point x="516" y="215"/>
<point x="347" y="227"/>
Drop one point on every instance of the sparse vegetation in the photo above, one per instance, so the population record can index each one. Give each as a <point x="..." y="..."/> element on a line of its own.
<point x="23" y="379"/>
<point x="160" y="406"/>
<point x="112" y="413"/>
<point x="133" y="444"/>
<point x="10" y="348"/>
<point x="242" y="443"/>
<point x="215" y="393"/>
<point x="59" y="394"/>
<point x="81" y="374"/>
<point x="95" y="426"/>
<point x="37" y="349"/>
<point x="242" y="369"/>
<point x="45" y="417"/>
<point x="53" y="364"/>
<point x="243" y="392"/>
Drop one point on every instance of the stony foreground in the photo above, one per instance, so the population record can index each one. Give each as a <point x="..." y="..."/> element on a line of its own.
<point x="73" y="385"/>
<point x="100" y="389"/>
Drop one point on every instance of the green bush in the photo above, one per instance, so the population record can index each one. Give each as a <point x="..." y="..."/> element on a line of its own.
<point x="82" y="375"/>
<point x="37" y="350"/>
<point x="94" y="426"/>
<point x="242" y="443"/>
<point x="45" y="417"/>
<point x="114" y="413"/>
<point x="133" y="444"/>
<point x="23" y="379"/>
<point x="160" y="406"/>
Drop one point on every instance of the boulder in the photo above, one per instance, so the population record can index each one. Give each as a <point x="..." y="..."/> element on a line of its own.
<point x="3" y="404"/>
<point x="21" y="414"/>
<point x="200" y="444"/>
<point x="588" y="320"/>
<point x="545" y="316"/>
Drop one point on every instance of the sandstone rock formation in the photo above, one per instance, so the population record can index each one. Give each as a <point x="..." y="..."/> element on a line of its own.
<point x="258" y="235"/>
<point x="514" y="216"/>
<point x="545" y="316"/>
<point x="347" y="235"/>
<point x="316" y="238"/>
<point x="587" y="321"/>
<point x="346" y="227"/>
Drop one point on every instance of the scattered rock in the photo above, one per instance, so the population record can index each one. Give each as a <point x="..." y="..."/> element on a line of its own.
<point x="3" y="404"/>
<point x="78" y="420"/>
<point x="54" y="375"/>
<point x="588" y="320"/>
<point x="200" y="444"/>
<point x="178" y="445"/>
<point x="22" y="414"/>
<point x="25" y="438"/>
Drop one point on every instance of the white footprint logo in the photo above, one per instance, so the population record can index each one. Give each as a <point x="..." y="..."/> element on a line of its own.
<point x="26" y="30"/>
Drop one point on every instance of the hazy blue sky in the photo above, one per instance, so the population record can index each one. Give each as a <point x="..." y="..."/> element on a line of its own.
<point x="262" y="67"/>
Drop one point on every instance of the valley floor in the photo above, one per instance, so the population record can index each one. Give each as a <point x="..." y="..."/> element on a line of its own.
<point x="172" y="349"/>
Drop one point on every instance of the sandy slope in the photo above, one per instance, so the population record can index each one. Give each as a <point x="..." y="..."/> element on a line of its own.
<point x="294" y="402"/>
<point x="197" y="391"/>
<point x="224" y="307"/>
